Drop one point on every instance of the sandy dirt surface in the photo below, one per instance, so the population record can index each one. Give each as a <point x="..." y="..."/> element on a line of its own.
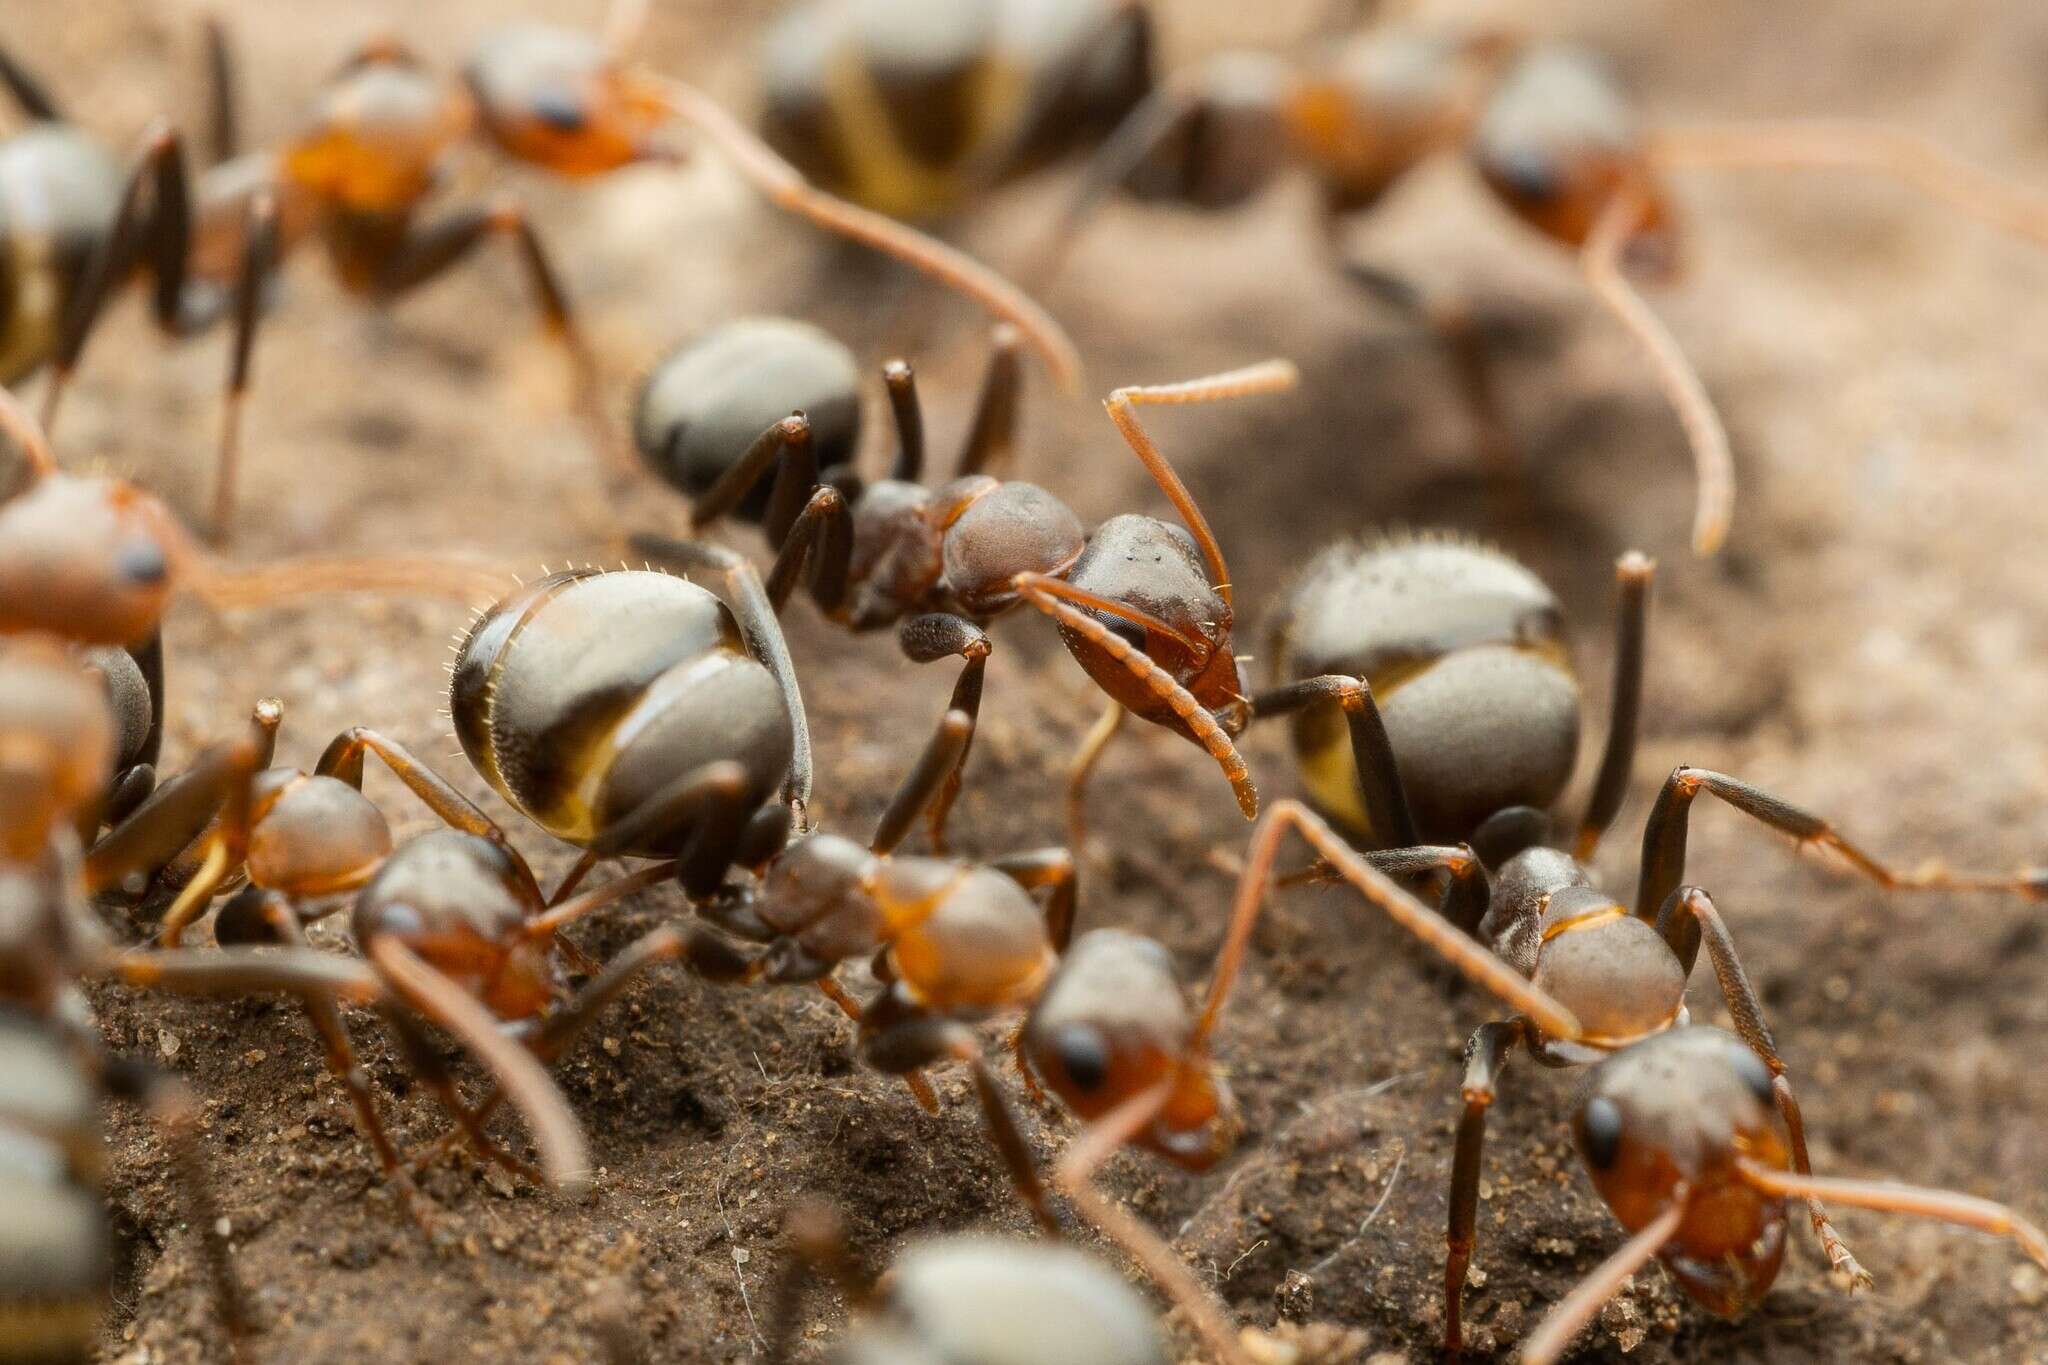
<point x="1874" y="645"/>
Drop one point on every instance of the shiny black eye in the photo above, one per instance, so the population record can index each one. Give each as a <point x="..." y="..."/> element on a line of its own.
<point x="1130" y="632"/>
<point x="559" y="110"/>
<point x="1083" y="1055"/>
<point x="1600" y="1132"/>
<point x="1754" y="1073"/>
<point x="142" y="562"/>
<point x="1530" y="176"/>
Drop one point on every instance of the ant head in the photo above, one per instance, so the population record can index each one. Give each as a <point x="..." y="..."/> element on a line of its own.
<point x="1114" y="1023"/>
<point x="558" y="98"/>
<point x="1558" y="141"/>
<point x="1229" y="140"/>
<point x="313" y="836"/>
<point x="461" y="902"/>
<point x="1155" y="568"/>
<point x="1464" y="651"/>
<point x="1377" y="103"/>
<point x="376" y="133"/>
<point x="87" y="559"/>
<point x="978" y="1298"/>
<point x="706" y="402"/>
<point x="1684" y="1107"/>
<point x="56" y="743"/>
<point x="1614" y="972"/>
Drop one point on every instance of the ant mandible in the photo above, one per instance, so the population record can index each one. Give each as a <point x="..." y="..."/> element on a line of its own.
<point x="1554" y="138"/>
<point x="1143" y="605"/>
<point x="374" y="146"/>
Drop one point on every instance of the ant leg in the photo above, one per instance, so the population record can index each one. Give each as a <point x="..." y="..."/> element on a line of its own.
<point x="1074" y="1176"/>
<point x="1889" y="1197"/>
<point x="1578" y="1308"/>
<point x="1473" y="960"/>
<point x="428" y="251"/>
<point x="28" y="92"/>
<point x="784" y="186"/>
<point x="223" y="122"/>
<point x="992" y="439"/>
<point x="1200" y="724"/>
<point x="564" y="913"/>
<point x="784" y="447"/>
<point x="1385" y="800"/>
<point x="918" y="1042"/>
<point x="1052" y="868"/>
<point x="763" y="634"/>
<point x="1713" y="463"/>
<point x="561" y="1029"/>
<point x="1462" y="343"/>
<point x="564" y="1154"/>
<point x="930" y="637"/>
<point x="899" y="381"/>
<point x="429" y="1070"/>
<point x="934" y="768"/>
<point x="1664" y="838"/>
<point x="1270" y="376"/>
<point x="821" y="537"/>
<point x="1632" y="574"/>
<point x="343" y="759"/>
<point x="817" y="1236"/>
<point x="179" y="810"/>
<point x="259" y="258"/>
<point x="920" y="1088"/>
<point x="241" y="971"/>
<point x="174" y="1109"/>
<point x="708" y="802"/>
<point x="1081" y="770"/>
<point x="1486" y="1052"/>
<point x="1746" y="1008"/>
<point x="149" y="658"/>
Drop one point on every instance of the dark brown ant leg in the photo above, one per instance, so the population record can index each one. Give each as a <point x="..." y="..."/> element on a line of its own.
<point x="992" y="438"/>
<point x="817" y="1241"/>
<point x="564" y="1154"/>
<point x="938" y="635"/>
<point x="708" y="802"/>
<point x="28" y="92"/>
<point x="1372" y="753"/>
<point x="1052" y="868"/>
<point x="223" y="114"/>
<point x="426" y="1066"/>
<point x="1569" y="1318"/>
<point x="1081" y="770"/>
<point x="343" y="759"/>
<point x="821" y="538"/>
<point x="1632" y="574"/>
<point x="1664" y="838"/>
<point x="565" y="1025"/>
<point x="1746" y="1008"/>
<point x="920" y="1088"/>
<point x="1450" y="322"/>
<point x="763" y="634"/>
<point x="429" y="251"/>
<point x="776" y="448"/>
<point x="934" y="767"/>
<point x="175" y="1111"/>
<point x="900" y="382"/>
<point x="919" y="1042"/>
<point x="1485" y="1054"/>
<point x="259" y="258"/>
<point x="178" y="811"/>
<point x="239" y="971"/>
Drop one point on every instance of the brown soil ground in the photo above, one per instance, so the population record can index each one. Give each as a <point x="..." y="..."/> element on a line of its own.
<point x="1874" y="644"/>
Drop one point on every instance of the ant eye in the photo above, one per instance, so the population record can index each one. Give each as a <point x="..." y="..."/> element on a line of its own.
<point x="559" y="110"/>
<point x="1531" y="176"/>
<point x="1083" y="1055"/>
<point x="1600" y="1132"/>
<point x="1755" y="1074"/>
<point x="142" y="562"/>
<point x="1130" y="632"/>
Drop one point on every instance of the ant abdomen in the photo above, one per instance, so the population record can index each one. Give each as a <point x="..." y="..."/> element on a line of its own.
<point x="707" y="401"/>
<point x="1464" y="651"/>
<point x="582" y="697"/>
<point x="56" y="1237"/>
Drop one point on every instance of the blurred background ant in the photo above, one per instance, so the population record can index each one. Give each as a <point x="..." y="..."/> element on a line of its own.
<point x="373" y="148"/>
<point x="1143" y="605"/>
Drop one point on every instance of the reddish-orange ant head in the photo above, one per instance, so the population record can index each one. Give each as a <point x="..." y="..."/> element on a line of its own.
<point x="560" y="99"/>
<point x="462" y="903"/>
<point x="376" y="134"/>
<point x="87" y="559"/>
<point x="1671" y="1119"/>
<point x="56" y="744"/>
<point x="1559" y="143"/>
<point x="1112" y="1024"/>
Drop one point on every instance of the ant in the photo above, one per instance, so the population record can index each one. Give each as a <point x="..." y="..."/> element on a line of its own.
<point x="375" y="145"/>
<point x="1490" y="630"/>
<point x="1143" y="605"/>
<point x="911" y="113"/>
<point x="1551" y="134"/>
